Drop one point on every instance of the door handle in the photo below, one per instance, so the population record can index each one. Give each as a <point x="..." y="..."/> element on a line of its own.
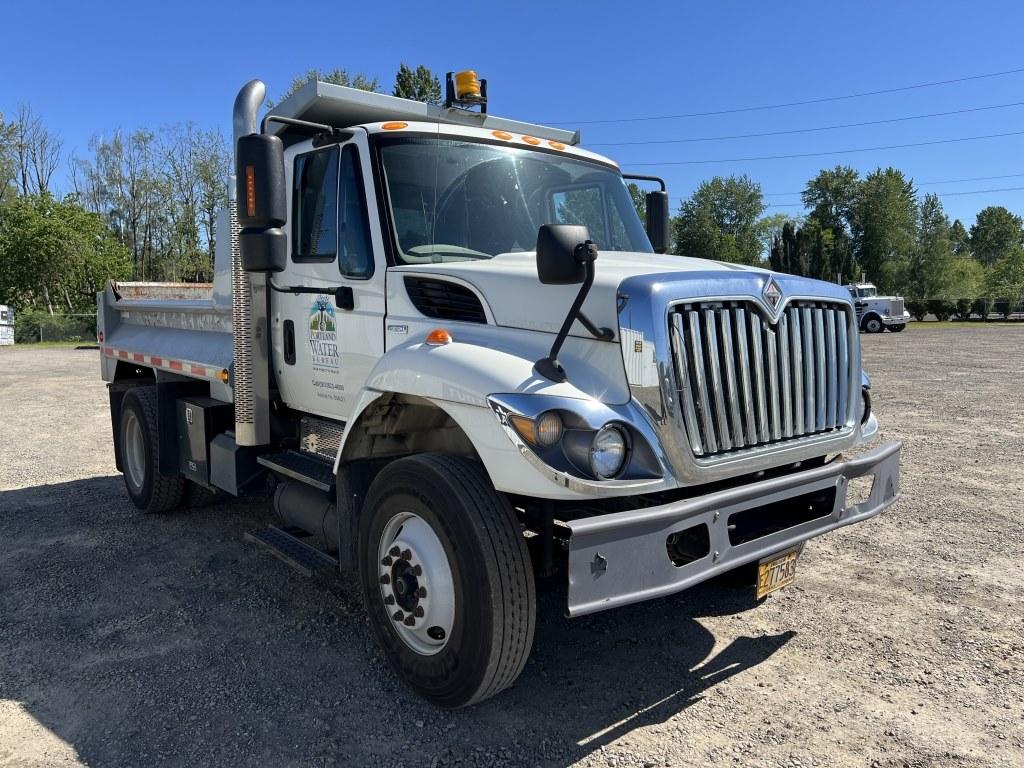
<point x="343" y="298"/>
<point x="289" y="342"/>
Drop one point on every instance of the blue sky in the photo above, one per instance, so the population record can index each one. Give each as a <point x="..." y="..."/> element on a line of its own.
<point x="90" y="69"/>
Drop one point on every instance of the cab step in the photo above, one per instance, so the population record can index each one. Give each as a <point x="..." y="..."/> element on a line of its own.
<point x="302" y="467"/>
<point x="286" y="544"/>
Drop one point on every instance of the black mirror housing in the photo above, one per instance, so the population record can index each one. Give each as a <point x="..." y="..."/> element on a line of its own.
<point x="658" y="218"/>
<point x="260" y="182"/>
<point x="558" y="262"/>
<point x="263" y="250"/>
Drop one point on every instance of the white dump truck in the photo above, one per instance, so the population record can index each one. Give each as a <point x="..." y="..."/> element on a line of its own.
<point x="877" y="313"/>
<point x="448" y="346"/>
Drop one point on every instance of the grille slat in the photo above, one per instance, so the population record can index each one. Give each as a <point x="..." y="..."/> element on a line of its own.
<point x="745" y="382"/>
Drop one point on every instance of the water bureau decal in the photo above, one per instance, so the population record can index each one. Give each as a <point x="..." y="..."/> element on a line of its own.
<point x="323" y="334"/>
<point x="323" y="349"/>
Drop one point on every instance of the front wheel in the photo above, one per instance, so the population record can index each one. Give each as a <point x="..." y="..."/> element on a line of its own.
<point x="446" y="579"/>
<point x="873" y="325"/>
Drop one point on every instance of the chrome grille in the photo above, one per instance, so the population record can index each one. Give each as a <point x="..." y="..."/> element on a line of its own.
<point x="896" y="307"/>
<point x="745" y="382"/>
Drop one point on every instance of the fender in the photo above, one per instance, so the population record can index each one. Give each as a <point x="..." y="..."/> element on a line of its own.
<point x="458" y="377"/>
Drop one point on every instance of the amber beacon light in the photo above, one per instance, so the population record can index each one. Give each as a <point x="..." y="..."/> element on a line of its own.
<point x="464" y="90"/>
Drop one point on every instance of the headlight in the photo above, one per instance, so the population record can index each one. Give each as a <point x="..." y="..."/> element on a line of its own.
<point x="545" y="431"/>
<point x="608" y="452"/>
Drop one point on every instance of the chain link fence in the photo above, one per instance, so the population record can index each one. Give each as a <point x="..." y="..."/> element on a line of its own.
<point x="35" y="327"/>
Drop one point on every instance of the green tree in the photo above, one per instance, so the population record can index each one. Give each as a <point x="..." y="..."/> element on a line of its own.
<point x="960" y="239"/>
<point x="1005" y="279"/>
<point x="884" y="227"/>
<point x="995" y="234"/>
<point x="720" y="221"/>
<point x="418" y="84"/>
<point x="7" y="186"/>
<point x="831" y="197"/>
<point x="929" y="268"/>
<point x="639" y="198"/>
<point x="334" y="76"/>
<point x="55" y="254"/>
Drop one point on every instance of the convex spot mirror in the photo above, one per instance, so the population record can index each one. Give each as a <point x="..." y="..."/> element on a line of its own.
<point x="562" y="254"/>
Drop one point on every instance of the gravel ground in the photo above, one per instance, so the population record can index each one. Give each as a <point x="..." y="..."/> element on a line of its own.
<point x="130" y="640"/>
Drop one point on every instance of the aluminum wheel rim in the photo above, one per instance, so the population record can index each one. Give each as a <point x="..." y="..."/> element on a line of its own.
<point x="416" y="583"/>
<point x="134" y="450"/>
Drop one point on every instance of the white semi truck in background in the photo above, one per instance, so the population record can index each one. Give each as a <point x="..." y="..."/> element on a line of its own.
<point x="449" y="344"/>
<point x="877" y="313"/>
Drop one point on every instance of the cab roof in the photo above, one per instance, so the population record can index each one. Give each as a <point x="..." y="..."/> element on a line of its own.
<point x="343" y="107"/>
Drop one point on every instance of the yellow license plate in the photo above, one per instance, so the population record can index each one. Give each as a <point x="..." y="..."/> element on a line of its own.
<point x="776" y="572"/>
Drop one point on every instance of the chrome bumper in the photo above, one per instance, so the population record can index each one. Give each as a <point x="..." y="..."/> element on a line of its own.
<point x="622" y="558"/>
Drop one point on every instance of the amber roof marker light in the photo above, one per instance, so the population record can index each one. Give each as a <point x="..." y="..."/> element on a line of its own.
<point x="439" y="337"/>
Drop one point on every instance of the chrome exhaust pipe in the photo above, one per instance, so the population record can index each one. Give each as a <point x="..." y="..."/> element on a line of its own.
<point x="249" y="328"/>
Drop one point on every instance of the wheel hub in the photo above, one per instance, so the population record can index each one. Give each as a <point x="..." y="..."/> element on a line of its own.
<point x="416" y="583"/>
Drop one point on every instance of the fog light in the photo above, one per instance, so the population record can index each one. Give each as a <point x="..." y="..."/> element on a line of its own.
<point x="608" y="452"/>
<point x="549" y="429"/>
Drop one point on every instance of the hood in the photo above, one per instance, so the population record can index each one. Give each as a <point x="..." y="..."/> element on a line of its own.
<point x="509" y="286"/>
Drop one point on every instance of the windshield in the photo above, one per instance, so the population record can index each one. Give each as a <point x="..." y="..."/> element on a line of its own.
<point x="453" y="200"/>
<point x="867" y="293"/>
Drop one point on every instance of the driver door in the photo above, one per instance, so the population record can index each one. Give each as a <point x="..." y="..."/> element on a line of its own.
<point x="326" y="342"/>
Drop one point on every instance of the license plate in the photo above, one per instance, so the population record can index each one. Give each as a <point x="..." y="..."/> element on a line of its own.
<point x="776" y="572"/>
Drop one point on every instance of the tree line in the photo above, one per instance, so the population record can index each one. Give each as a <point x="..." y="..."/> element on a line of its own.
<point x="876" y="225"/>
<point x="143" y="205"/>
<point x="140" y="205"/>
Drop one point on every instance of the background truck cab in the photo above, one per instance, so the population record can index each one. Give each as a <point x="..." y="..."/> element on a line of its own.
<point x="878" y="313"/>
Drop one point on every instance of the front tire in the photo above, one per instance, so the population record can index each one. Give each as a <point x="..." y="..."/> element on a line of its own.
<point x="873" y="325"/>
<point x="446" y="579"/>
<point x="138" y="443"/>
<point x="897" y="328"/>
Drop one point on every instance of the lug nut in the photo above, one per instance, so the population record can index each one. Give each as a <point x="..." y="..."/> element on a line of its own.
<point x="397" y="615"/>
<point x="418" y="612"/>
<point x="385" y="579"/>
<point x="417" y="570"/>
<point x="389" y="600"/>
<point x="409" y="621"/>
<point x="394" y="551"/>
<point x="421" y="592"/>
<point x="406" y="554"/>
<point x="386" y="561"/>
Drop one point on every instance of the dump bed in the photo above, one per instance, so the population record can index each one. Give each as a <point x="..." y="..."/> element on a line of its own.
<point x="182" y="329"/>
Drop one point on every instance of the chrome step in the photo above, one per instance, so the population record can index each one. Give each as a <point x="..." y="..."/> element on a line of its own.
<point x="302" y="467"/>
<point x="287" y="546"/>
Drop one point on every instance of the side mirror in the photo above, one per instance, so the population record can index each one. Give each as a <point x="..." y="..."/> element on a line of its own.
<point x="658" y="220"/>
<point x="263" y="250"/>
<point x="262" y="202"/>
<point x="259" y="182"/>
<point x="562" y="254"/>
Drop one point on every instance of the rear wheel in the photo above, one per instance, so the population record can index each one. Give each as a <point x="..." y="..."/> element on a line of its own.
<point x="138" y="435"/>
<point x="897" y="328"/>
<point x="446" y="579"/>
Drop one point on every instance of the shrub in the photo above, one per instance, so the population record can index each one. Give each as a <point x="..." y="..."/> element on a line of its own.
<point x="32" y="326"/>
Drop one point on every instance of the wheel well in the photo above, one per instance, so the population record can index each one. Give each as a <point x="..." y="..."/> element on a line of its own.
<point x="400" y="425"/>
<point x="390" y="428"/>
<point x="126" y="371"/>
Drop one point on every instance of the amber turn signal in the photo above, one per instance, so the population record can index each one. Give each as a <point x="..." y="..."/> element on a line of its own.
<point x="439" y="337"/>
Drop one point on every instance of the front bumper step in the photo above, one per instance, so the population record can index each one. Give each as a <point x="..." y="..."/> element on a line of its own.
<point x="623" y="558"/>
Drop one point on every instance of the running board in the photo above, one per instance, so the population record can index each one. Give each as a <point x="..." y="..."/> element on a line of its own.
<point x="285" y="545"/>
<point x="302" y="467"/>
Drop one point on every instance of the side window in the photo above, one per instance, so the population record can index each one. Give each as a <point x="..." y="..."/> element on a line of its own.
<point x="356" y="248"/>
<point x="315" y="206"/>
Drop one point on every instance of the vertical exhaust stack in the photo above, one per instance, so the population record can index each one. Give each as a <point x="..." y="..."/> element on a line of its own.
<point x="249" y="327"/>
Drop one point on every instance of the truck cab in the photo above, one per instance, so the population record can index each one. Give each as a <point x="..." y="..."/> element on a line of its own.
<point x="877" y="313"/>
<point x="449" y="348"/>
